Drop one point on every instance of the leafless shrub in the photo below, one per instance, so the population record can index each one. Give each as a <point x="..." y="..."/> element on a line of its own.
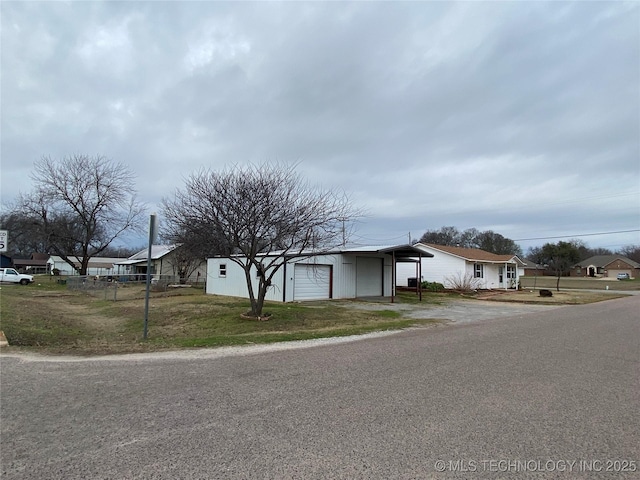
<point x="462" y="282"/>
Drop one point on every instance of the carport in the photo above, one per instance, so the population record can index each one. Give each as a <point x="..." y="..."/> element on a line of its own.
<point x="398" y="254"/>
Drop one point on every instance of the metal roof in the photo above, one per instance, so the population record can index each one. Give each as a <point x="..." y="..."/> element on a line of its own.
<point x="400" y="251"/>
<point x="157" y="251"/>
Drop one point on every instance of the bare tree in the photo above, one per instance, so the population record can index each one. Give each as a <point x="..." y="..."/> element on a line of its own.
<point x="259" y="216"/>
<point x="24" y="234"/>
<point x="468" y="238"/>
<point x="630" y="251"/>
<point x="184" y="263"/>
<point x="196" y="243"/>
<point x="81" y="204"/>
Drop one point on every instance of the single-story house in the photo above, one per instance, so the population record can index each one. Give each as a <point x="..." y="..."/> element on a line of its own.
<point x="164" y="264"/>
<point x="605" y="266"/>
<point x="336" y="274"/>
<point x="532" y="269"/>
<point x="36" y="263"/>
<point x="97" y="265"/>
<point x="453" y="265"/>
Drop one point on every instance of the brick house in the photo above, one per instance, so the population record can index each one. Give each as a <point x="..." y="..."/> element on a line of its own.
<point x="605" y="266"/>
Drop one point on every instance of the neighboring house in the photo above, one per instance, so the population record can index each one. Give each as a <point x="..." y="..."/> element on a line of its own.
<point x="37" y="263"/>
<point x="97" y="265"/>
<point x="341" y="273"/>
<point x="450" y="265"/>
<point x="532" y="269"/>
<point x="164" y="263"/>
<point x="606" y="266"/>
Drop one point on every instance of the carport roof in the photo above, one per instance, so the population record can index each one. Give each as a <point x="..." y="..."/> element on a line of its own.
<point x="399" y="251"/>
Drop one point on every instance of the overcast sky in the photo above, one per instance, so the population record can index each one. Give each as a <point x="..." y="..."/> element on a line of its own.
<point x="517" y="117"/>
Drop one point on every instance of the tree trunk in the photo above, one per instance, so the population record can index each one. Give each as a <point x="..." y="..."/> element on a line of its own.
<point x="255" y="311"/>
<point x="259" y="306"/>
<point x="262" y="292"/>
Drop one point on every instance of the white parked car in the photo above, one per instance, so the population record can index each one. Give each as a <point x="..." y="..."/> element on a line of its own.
<point x="10" y="275"/>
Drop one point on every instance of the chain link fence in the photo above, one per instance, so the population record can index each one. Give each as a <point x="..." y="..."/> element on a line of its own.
<point x="113" y="287"/>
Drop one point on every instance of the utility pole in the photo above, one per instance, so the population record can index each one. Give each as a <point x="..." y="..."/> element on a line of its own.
<point x="153" y="230"/>
<point x="344" y="235"/>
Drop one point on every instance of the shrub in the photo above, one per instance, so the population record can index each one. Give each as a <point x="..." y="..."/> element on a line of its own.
<point x="432" y="286"/>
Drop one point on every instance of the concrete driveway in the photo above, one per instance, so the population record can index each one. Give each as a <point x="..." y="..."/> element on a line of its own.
<point x="455" y="311"/>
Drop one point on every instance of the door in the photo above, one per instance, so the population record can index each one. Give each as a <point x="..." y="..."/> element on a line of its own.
<point x="369" y="276"/>
<point x="311" y="282"/>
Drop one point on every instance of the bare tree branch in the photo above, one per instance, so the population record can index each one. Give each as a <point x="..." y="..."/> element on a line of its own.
<point x="249" y="212"/>
<point x="81" y="204"/>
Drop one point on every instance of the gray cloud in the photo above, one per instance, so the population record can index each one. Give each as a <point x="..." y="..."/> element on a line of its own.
<point x="521" y="117"/>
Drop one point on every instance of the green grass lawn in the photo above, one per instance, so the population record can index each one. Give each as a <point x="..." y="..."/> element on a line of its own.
<point x="49" y="317"/>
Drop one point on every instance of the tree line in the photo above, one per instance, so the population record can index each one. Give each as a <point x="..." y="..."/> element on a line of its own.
<point x="81" y="204"/>
<point x="496" y="243"/>
<point x="472" y="238"/>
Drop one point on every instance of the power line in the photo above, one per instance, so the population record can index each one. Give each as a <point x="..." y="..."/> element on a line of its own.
<point x="575" y="236"/>
<point x="368" y="239"/>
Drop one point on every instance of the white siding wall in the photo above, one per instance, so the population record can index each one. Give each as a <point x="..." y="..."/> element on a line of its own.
<point x="434" y="269"/>
<point x="234" y="284"/>
<point x="407" y="270"/>
<point x="66" y="269"/>
<point x="369" y="271"/>
<point x="343" y="277"/>
<point x="489" y="278"/>
<point x="444" y="265"/>
<point x="344" y="273"/>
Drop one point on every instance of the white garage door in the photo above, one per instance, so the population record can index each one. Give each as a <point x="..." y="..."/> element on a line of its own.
<point x="368" y="277"/>
<point x="312" y="282"/>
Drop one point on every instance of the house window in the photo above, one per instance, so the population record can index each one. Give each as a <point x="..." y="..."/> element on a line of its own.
<point x="511" y="271"/>
<point x="223" y="270"/>
<point x="478" y="270"/>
